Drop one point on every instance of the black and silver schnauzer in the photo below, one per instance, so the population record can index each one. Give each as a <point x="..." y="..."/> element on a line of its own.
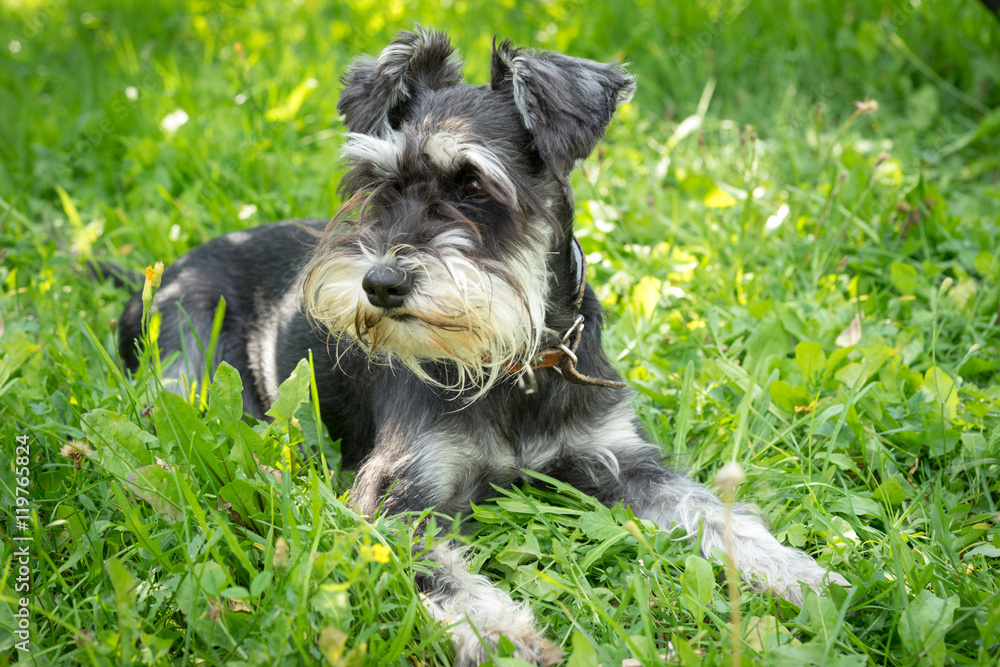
<point x="456" y="341"/>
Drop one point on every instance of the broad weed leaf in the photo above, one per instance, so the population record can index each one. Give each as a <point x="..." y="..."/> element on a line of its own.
<point x="811" y="360"/>
<point x="697" y="585"/>
<point x="922" y="626"/>
<point x="940" y="391"/>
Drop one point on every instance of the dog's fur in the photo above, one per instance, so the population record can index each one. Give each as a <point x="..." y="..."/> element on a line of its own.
<point x="425" y="300"/>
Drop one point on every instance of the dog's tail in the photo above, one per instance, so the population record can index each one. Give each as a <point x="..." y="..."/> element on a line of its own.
<point x="101" y="271"/>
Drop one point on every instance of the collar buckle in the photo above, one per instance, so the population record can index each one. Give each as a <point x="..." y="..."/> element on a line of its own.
<point x="563" y="356"/>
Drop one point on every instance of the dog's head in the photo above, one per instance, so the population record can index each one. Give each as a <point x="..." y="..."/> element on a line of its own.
<point x="454" y="243"/>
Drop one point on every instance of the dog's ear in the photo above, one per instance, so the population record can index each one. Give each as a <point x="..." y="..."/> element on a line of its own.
<point x="377" y="90"/>
<point x="566" y="103"/>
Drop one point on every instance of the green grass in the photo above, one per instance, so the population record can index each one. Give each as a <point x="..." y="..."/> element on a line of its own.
<point x="739" y="216"/>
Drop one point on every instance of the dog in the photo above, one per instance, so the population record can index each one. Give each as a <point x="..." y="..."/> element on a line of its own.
<point x="455" y="339"/>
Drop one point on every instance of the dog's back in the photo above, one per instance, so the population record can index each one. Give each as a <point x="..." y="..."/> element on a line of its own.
<point x="255" y="271"/>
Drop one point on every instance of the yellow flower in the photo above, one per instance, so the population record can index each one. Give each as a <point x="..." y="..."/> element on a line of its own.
<point x="376" y="552"/>
<point x="147" y="286"/>
<point x="153" y="275"/>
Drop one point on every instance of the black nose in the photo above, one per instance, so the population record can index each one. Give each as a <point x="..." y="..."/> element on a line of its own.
<point x="387" y="286"/>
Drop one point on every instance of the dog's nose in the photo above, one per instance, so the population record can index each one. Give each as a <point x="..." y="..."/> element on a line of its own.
<point x="387" y="286"/>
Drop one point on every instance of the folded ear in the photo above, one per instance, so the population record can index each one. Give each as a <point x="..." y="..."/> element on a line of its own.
<point x="566" y="103"/>
<point x="377" y="90"/>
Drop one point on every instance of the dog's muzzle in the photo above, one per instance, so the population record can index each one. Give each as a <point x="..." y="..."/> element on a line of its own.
<point x="387" y="286"/>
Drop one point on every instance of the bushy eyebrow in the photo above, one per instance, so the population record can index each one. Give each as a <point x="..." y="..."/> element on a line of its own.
<point x="381" y="154"/>
<point x="448" y="153"/>
<point x="451" y="153"/>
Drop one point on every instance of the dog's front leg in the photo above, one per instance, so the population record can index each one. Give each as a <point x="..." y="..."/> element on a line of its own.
<point x="446" y="469"/>
<point x="478" y="612"/>
<point x="765" y="562"/>
<point x="617" y="463"/>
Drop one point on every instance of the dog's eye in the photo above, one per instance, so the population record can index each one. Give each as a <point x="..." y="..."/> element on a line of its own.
<point x="475" y="191"/>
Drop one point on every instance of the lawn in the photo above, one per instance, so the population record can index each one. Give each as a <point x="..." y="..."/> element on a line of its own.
<point x="793" y="228"/>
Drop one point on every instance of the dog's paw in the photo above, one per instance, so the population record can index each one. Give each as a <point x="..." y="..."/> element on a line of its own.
<point x="478" y="617"/>
<point x="478" y="613"/>
<point x="474" y="647"/>
<point x="793" y="592"/>
<point x="785" y="574"/>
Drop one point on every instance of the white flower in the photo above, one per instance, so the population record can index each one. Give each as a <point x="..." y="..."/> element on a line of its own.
<point x="173" y="121"/>
<point x="775" y="220"/>
<point x="246" y="211"/>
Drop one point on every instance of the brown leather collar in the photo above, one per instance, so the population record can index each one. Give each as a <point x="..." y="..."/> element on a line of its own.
<point x="562" y="356"/>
